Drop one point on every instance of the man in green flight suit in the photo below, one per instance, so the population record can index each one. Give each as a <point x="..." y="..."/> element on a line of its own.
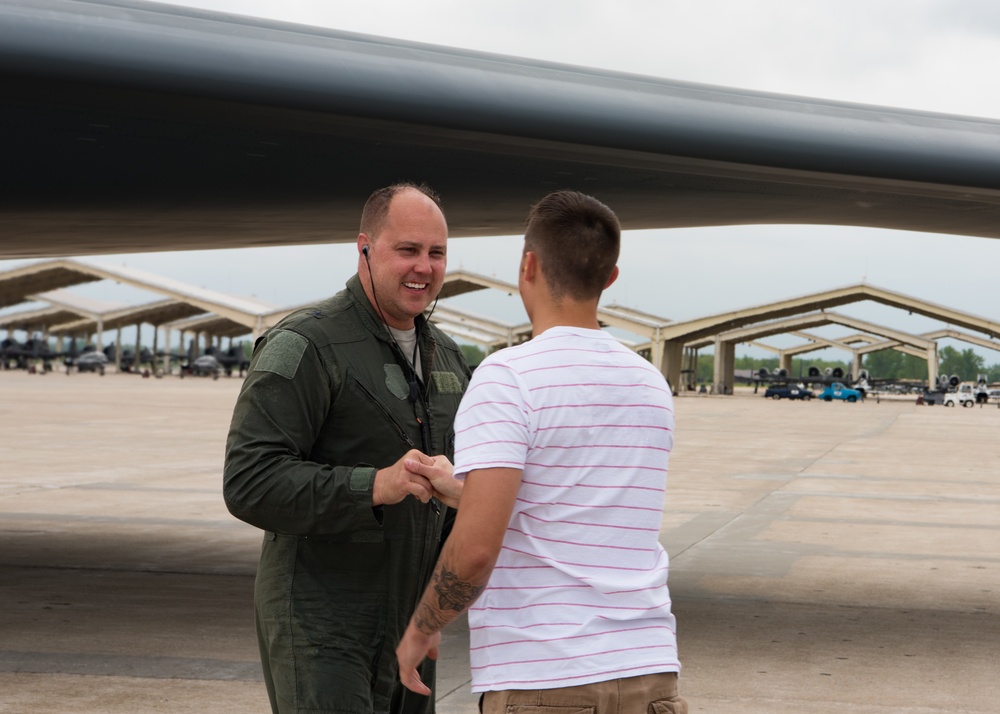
<point x="340" y="449"/>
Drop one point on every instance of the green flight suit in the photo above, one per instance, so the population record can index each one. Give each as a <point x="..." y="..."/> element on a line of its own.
<point x="325" y="404"/>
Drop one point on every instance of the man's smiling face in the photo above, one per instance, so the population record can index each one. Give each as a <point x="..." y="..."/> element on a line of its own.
<point x="407" y="259"/>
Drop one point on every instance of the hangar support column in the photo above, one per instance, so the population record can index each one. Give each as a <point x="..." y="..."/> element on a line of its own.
<point x="725" y="362"/>
<point x="156" y="335"/>
<point x="691" y="365"/>
<point x="669" y="362"/>
<point x="656" y="356"/>
<point x="137" y="350"/>
<point x="932" y="365"/>
<point x="784" y="362"/>
<point x="166" y="351"/>
<point x="855" y="364"/>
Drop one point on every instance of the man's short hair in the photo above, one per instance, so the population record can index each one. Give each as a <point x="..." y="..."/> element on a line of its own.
<point x="376" y="208"/>
<point x="577" y="238"/>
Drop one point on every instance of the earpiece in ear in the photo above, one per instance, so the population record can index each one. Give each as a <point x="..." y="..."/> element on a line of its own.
<point x="365" y="249"/>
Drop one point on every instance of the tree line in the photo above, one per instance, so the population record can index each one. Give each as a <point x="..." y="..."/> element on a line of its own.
<point x="965" y="363"/>
<point x="885" y="364"/>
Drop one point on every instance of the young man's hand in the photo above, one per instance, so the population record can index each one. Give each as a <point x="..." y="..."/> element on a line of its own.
<point x="412" y="650"/>
<point x="396" y="482"/>
<point x="439" y="472"/>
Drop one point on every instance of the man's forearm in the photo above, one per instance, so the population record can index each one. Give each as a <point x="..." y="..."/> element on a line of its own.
<point x="447" y="596"/>
<point x="472" y="549"/>
<point x="297" y="497"/>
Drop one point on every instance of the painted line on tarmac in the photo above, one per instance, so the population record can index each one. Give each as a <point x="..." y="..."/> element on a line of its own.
<point x="128" y="666"/>
<point x="229" y="523"/>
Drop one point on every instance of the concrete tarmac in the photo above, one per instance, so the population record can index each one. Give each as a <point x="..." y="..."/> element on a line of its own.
<point x="825" y="557"/>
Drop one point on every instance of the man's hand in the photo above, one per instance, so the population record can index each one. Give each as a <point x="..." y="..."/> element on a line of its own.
<point x="439" y="473"/>
<point x="396" y="482"/>
<point x="412" y="650"/>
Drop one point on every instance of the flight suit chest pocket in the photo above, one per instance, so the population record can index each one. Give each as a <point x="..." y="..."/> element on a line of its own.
<point x="369" y="410"/>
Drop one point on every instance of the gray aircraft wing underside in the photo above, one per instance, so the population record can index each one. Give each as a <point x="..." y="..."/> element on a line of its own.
<point x="131" y="126"/>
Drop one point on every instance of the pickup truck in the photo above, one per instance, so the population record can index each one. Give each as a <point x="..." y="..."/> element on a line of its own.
<point x="839" y="391"/>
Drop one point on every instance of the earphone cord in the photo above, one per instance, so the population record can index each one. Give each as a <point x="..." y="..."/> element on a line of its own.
<point x="381" y="315"/>
<point x="413" y="360"/>
<point x="414" y="383"/>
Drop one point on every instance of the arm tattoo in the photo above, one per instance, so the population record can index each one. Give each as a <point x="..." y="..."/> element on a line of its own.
<point x="454" y="595"/>
<point x="427" y="620"/>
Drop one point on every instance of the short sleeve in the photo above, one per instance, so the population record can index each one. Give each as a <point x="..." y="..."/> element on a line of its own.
<point x="493" y="423"/>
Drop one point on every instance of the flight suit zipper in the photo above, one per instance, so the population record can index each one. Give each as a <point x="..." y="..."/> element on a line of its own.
<point x="385" y="412"/>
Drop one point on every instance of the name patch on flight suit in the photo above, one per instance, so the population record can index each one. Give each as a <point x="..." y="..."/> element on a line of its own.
<point x="395" y="381"/>
<point x="447" y="382"/>
<point x="282" y="354"/>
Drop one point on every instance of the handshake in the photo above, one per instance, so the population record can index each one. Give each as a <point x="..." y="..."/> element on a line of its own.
<point x="418" y="475"/>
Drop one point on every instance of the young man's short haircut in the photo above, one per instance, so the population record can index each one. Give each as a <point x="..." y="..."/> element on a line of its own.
<point x="577" y="239"/>
<point x="376" y="208"/>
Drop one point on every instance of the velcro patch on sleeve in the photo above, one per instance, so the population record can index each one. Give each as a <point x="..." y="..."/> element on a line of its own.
<point x="362" y="478"/>
<point x="282" y="354"/>
<point x="447" y="382"/>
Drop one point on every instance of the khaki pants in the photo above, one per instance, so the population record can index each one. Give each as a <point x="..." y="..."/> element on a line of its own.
<point x="648" y="694"/>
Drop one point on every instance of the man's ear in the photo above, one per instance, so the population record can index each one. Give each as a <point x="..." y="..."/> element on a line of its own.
<point x="364" y="244"/>
<point x="613" y="278"/>
<point x="529" y="265"/>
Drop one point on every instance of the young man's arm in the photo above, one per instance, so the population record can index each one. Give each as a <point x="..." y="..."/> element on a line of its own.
<point x="463" y="569"/>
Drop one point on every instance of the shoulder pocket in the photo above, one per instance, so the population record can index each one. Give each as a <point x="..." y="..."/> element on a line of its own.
<point x="281" y="354"/>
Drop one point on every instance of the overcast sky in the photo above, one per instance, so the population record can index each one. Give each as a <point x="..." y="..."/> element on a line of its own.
<point x="934" y="55"/>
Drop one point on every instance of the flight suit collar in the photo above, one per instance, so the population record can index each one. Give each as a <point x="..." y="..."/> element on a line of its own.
<point x="373" y="324"/>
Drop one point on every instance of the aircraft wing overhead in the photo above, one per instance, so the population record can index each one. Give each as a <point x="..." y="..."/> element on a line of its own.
<point x="132" y="126"/>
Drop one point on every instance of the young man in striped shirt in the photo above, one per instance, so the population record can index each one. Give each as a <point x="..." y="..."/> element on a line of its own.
<point x="563" y="442"/>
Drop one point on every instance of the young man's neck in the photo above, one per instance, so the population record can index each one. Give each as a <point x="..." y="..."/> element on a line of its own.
<point x="565" y="314"/>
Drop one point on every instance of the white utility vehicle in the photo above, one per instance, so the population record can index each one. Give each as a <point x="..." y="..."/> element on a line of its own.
<point x="963" y="396"/>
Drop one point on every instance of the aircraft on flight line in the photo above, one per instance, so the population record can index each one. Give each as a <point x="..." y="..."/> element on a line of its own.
<point x="36" y="356"/>
<point x="135" y="126"/>
<point x="30" y="355"/>
<point x="212" y="363"/>
<point x="232" y="359"/>
<point x="814" y="376"/>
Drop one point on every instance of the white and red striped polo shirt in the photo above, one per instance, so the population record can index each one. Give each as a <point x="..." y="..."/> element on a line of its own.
<point x="579" y="593"/>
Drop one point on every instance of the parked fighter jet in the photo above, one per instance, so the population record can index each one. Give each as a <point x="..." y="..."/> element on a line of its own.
<point x="34" y="355"/>
<point x="232" y="359"/>
<point x="93" y="361"/>
<point x="128" y="360"/>
<point x="814" y="376"/>
<point x="204" y="366"/>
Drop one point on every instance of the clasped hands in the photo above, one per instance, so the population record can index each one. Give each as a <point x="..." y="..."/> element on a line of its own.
<point x="418" y="475"/>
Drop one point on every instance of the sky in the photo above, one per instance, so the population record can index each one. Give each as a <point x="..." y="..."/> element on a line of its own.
<point x="932" y="55"/>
